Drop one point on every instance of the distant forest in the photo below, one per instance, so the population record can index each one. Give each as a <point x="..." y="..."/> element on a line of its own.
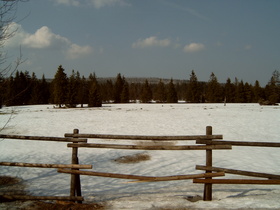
<point x="72" y="90"/>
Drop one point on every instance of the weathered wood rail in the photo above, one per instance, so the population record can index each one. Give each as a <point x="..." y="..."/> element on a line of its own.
<point x="41" y="138"/>
<point x="42" y="165"/>
<point x="73" y="166"/>
<point x="207" y="142"/>
<point x="162" y="146"/>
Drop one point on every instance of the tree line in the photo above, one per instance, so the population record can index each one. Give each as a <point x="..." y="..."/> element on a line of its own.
<point x="69" y="91"/>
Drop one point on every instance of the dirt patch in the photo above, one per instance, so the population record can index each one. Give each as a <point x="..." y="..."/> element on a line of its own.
<point x="58" y="206"/>
<point x="40" y="205"/>
<point x="12" y="186"/>
<point x="7" y="180"/>
<point x="136" y="158"/>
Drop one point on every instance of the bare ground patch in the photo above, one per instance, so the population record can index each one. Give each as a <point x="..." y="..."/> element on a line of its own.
<point x="136" y="158"/>
<point x="14" y="186"/>
<point x="11" y="186"/>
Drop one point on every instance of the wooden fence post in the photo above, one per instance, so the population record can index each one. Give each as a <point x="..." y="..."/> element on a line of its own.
<point x="75" y="188"/>
<point x="208" y="187"/>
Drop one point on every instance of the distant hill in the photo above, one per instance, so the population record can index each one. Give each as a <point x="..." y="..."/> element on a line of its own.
<point x="151" y="80"/>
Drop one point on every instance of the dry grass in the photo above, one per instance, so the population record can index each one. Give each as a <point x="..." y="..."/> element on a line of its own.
<point x="136" y="158"/>
<point x="70" y="206"/>
<point x="13" y="185"/>
<point x="7" y="180"/>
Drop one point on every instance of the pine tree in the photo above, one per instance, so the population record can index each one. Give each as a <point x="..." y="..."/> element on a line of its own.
<point x="240" y="92"/>
<point x="82" y="90"/>
<point x="94" y="93"/>
<point x="146" y="93"/>
<point x="60" y="87"/>
<point x="193" y="89"/>
<point x="248" y="92"/>
<point x="10" y="92"/>
<point x="107" y="91"/>
<point x="72" y="90"/>
<point x="258" y="92"/>
<point x="213" y="93"/>
<point x="125" y="93"/>
<point x="229" y="91"/>
<point x="171" y="93"/>
<point x="45" y="91"/>
<point x="118" y="88"/>
<point x="273" y="88"/>
<point x="160" y="93"/>
<point x="35" y="87"/>
<point x="134" y="91"/>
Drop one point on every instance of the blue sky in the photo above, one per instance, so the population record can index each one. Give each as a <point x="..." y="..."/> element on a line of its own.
<point x="150" y="38"/>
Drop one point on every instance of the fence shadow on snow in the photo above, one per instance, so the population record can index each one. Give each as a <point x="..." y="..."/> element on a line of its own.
<point x="207" y="142"/>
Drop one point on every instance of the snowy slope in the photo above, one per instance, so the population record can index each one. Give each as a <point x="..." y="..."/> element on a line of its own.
<point x="248" y="122"/>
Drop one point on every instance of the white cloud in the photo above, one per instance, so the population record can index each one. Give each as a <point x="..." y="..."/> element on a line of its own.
<point x="44" y="38"/>
<point x="248" y="47"/>
<point x="96" y="3"/>
<point x="102" y="3"/>
<point x="193" y="47"/>
<point x="68" y="2"/>
<point x="152" y="41"/>
<point x="76" y="51"/>
<point x="19" y="35"/>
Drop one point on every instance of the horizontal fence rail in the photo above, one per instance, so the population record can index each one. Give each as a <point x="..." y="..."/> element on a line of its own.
<point x="238" y="172"/>
<point x="138" y="137"/>
<point x="240" y="143"/>
<point x="144" y="178"/>
<point x="39" y="165"/>
<point x="42" y="138"/>
<point x="158" y="147"/>
<point x="29" y="197"/>
<point x="207" y="142"/>
<point x="237" y="181"/>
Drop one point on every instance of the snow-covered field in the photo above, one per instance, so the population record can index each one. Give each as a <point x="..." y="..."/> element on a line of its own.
<point x="242" y="122"/>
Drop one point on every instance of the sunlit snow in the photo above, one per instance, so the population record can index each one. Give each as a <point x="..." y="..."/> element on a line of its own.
<point x="240" y="122"/>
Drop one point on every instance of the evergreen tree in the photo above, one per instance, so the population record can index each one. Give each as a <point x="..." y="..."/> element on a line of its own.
<point x="72" y="90"/>
<point x="213" y="93"/>
<point x="125" y="93"/>
<point x="248" y="93"/>
<point x="193" y="89"/>
<point x="19" y="89"/>
<point x="10" y="92"/>
<point x="35" y="88"/>
<point x="118" y="88"/>
<point x="258" y="92"/>
<point x="181" y="88"/>
<point x="240" y="92"/>
<point x="273" y="88"/>
<point x="44" y="86"/>
<point x="107" y="91"/>
<point x="134" y="91"/>
<point x="171" y="93"/>
<point x="160" y="93"/>
<point x="82" y="90"/>
<point x="60" y="87"/>
<point x="94" y="93"/>
<point x="146" y="93"/>
<point x="229" y="91"/>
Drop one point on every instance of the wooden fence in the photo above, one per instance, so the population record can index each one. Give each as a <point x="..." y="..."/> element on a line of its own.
<point x="207" y="142"/>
